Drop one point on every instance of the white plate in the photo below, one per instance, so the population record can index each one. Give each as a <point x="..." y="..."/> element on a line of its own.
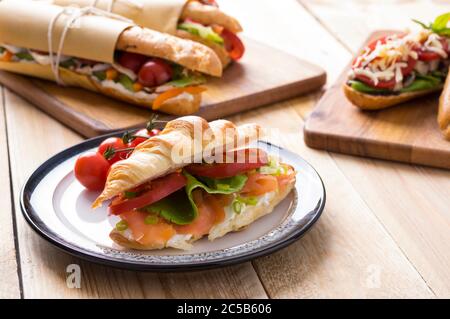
<point x="58" y="208"/>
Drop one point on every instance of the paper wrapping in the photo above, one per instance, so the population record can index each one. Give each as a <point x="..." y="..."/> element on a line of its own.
<point x="159" y="15"/>
<point x="26" y="25"/>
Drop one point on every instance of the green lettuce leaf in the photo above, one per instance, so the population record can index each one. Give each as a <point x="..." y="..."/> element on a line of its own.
<point x="179" y="207"/>
<point x="422" y="82"/>
<point x="187" y="81"/>
<point x="206" y="33"/>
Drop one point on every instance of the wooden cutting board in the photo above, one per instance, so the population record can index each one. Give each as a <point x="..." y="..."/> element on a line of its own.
<point x="407" y="133"/>
<point x="265" y="75"/>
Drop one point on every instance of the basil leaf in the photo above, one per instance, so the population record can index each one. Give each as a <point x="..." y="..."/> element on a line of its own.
<point x="187" y="81"/>
<point x="440" y="23"/>
<point x="362" y="87"/>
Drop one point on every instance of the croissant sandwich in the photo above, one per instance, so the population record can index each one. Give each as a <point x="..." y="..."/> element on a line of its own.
<point x="193" y="179"/>
<point x="444" y="110"/>
<point x="198" y="20"/>
<point x="105" y="53"/>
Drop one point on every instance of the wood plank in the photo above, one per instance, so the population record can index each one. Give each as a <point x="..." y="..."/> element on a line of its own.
<point x="33" y="137"/>
<point x="348" y="254"/>
<point x="381" y="134"/>
<point x="244" y="86"/>
<point x="411" y="202"/>
<point x="9" y="274"/>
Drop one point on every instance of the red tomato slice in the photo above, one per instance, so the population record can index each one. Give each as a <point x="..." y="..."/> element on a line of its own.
<point x="243" y="160"/>
<point x="428" y="56"/>
<point x="159" y="188"/>
<point x="380" y="85"/>
<point x="233" y="44"/>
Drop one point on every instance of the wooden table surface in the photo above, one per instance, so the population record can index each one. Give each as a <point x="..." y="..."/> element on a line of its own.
<point x="385" y="231"/>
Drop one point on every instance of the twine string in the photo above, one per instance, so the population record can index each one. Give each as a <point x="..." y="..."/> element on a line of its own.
<point x="74" y="14"/>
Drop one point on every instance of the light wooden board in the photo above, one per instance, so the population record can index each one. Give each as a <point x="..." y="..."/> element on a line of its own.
<point x="407" y="133"/>
<point x="265" y="75"/>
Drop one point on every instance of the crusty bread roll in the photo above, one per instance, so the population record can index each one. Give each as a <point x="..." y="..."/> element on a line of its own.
<point x="377" y="102"/>
<point x="206" y="14"/>
<point x="444" y="109"/>
<point x="240" y="221"/>
<point x="217" y="48"/>
<point x="181" y="141"/>
<point x="187" y="53"/>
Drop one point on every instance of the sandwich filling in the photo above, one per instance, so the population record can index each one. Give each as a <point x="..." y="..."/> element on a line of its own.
<point x="402" y="63"/>
<point x="214" y="33"/>
<point x="200" y="199"/>
<point x="131" y="74"/>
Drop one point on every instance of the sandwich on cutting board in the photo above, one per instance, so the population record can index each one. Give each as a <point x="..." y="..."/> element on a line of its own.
<point x="197" y="20"/>
<point x="190" y="181"/>
<point x="104" y="53"/>
<point x="402" y="66"/>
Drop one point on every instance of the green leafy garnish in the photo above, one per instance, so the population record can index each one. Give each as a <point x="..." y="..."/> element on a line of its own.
<point x="179" y="207"/>
<point x="122" y="225"/>
<point x="24" y="56"/>
<point x="206" y="33"/>
<point x="100" y="75"/>
<point x="187" y="81"/>
<point x="2" y="49"/>
<point x="439" y="25"/>
<point x="126" y="81"/>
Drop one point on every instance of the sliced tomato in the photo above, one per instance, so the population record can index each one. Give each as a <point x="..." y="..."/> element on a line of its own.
<point x="380" y="85"/>
<point x="233" y="44"/>
<point x="428" y="56"/>
<point x="175" y="92"/>
<point x="159" y="188"/>
<point x="210" y="213"/>
<point x="154" y="234"/>
<point x="259" y="184"/>
<point x="242" y="160"/>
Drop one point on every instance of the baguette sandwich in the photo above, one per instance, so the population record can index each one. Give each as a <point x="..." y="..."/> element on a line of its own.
<point x="104" y="53"/>
<point x="191" y="181"/>
<point x="399" y="67"/>
<point x="198" y="20"/>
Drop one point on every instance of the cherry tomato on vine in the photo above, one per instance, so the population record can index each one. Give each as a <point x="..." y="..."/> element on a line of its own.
<point x="91" y="170"/>
<point x="109" y="149"/>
